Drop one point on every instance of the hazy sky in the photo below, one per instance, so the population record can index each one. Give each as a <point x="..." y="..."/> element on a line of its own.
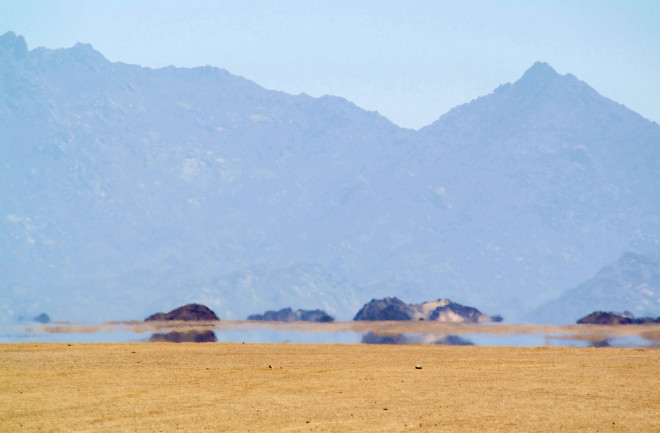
<point x="410" y="60"/>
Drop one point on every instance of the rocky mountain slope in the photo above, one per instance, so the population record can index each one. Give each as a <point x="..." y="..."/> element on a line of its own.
<point x="631" y="283"/>
<point x="126" y="190"/>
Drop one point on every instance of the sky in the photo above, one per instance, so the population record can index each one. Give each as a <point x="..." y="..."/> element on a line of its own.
<point x="411" y="61"/>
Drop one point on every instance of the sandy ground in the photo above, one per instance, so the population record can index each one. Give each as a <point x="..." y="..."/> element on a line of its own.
<point x="166" y="387"/>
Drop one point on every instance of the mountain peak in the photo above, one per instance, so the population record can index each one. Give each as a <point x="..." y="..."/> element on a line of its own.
<point x="539" y="74"/>
<point x="542" y="81"/>
<point x="540" y="69"/>
<point x="84" y="52"/>
<point x="13" y="45"/>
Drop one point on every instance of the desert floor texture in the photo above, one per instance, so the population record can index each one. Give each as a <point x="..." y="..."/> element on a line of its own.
<point x="217" y="387"/>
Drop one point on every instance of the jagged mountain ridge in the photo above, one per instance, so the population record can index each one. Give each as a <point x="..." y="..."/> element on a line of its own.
<point x="177" y="150"/>
<point x="144" y="189"/>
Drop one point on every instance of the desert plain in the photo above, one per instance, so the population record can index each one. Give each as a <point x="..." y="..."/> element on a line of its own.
<point x="234" y="387"/>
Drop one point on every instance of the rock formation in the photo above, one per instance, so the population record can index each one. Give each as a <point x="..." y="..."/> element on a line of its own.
<point x="371" y="338"/>
<point x="42" y="318"/>
<point x="288" y="315"/>
<point x="399" y="339"/>
<point x="442" y="310"/>
<point x="384" y="309"/>
<point x="193" y="336"/>
<point x="189" y="312"/>
<point x="611" y="318"/>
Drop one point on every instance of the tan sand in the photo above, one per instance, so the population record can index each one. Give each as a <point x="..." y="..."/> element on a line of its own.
<point x="163" y="387"/>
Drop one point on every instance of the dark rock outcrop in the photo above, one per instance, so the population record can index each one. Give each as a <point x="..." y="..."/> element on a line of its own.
<point x="470" y="314"/>
<point x="185" y="337"/>
<point x="288" y="315"/>
<point x="605" y="318"/>
<point x="42" y="318"/>
<point x="454" y="340"/>
<point x="371" y="338"/>
<point x="611" y="318"/>
<point x="190" y="312"/>
<point x="442" y="310"/>
<point x="384" y="309"/>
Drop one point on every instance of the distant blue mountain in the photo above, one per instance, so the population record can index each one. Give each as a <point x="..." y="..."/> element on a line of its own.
<point x="126" y="190"/>
<point x="630" y="284"/>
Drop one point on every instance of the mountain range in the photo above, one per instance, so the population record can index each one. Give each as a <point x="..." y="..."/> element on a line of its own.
<point x="126" y="190"/>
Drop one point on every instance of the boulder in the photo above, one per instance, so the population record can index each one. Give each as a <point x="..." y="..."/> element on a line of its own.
<point x="190" y="312"/>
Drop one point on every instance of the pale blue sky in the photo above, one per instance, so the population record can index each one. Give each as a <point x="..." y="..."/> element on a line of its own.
<point x="410" y="60"/>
